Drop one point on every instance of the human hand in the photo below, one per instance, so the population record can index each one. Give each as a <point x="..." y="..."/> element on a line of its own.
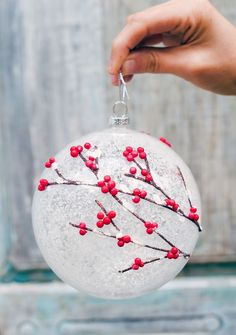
<point x="200" y="45"/>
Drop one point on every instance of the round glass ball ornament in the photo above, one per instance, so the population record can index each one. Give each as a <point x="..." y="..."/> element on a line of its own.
<point x="116" y="213"/>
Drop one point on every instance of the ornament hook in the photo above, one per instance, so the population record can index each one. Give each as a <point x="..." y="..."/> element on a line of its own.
<point x="120" y="109"/>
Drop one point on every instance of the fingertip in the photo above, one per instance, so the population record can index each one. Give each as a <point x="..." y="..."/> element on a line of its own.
<point x="115" y="80"/>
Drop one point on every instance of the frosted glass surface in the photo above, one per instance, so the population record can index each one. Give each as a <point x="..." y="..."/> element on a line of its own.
<point x="94" y="262"/>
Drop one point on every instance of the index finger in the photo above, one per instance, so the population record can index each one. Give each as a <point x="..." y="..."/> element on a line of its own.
<point x="154" y="20"/>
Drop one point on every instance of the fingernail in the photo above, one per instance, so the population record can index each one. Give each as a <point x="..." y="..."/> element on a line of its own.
<point x="129" y="67"/>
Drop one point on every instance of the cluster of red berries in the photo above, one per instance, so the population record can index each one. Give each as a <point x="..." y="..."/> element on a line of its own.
<point x="138" y="194"/>
<point x="91" y="164"/>
<point x="105" y="219"/>
<point x="172" y="203"/>
<point x="76" y="150"/>
<point x="173" y="253"/>
<point x="108" y="185"/>
<point x="193" y="214"/>
<point x="144" y="172"/>
<point x="130" y="154"/>
<point x="49" y="163"/>
<point x="123" y="240"/>
<point x="164" y="140"/>
<point x="43" y="183"/>
<point x="137" y="264"/>
<point x="83" y="228"/>
<point x="150" y="227"/>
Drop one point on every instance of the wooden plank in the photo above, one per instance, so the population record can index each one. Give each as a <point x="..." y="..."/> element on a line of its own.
<point x="209" y="307"/>
<point x="52" y="93"/>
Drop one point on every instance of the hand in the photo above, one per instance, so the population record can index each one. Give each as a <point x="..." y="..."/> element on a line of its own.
<point x="200" y="45"/>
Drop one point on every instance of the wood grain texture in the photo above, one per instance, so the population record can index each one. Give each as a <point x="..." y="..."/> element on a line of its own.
<point x="54" y="87"/>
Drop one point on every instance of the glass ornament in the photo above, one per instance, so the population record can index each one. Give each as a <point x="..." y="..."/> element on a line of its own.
<point x="116" y="213"/>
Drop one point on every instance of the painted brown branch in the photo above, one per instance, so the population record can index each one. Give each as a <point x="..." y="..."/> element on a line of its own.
<point x="185" y="186"/>
<point x="152" y="183"/>
<point x="146" y="262"/>
<point x="105" y="211"/>
<point x="143" y="221"/>
<point x="179" y="211"/>
<point x="100" y="232"/>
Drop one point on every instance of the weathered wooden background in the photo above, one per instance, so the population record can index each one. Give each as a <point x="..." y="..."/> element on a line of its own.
<point x="54" y="87"/>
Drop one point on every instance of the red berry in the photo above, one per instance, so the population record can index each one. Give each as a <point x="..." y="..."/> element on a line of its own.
<point x="71" y="149"/>
<point x="105" y="189"/>
<point x="80" y="148"/>
<point x="149" y="231"/>
<point x="176" y="256"/>
<point x="94" y="166"/>
<point x="100" y="183"/>
<point x="148" y="178"/>
<point x="91" y="158"/>
<point x="136" y="191"/>
<point x="171" y="202"/>
<point x="100" y="224"/>
<point x="47" y="164"/>
<point x="89" y="163"/>
<point x="52" y="160"/>
<point x="144" y="172"/>
<point x="83" y="231"/>
<point x="162" y="139"/>
<point x="87" y="145"/>
<point x="148" y="224"/>
<point x="129" y="149"/>
<point x="82" y="225"/>
<point x="136" y="199"/>
<point x="106" y="220"/>
<point x="126" y="238"/>
<point x="111" y="184"/>
<point x="125" y="153"/>
<point x="130" y="158"/>
<point x="143" y="194"/>
<point x="141" y="264"/>
<point x="133" y="170"/>
<point x="191" y="216"/>
<point x="74" y="153"/>
<point x="137" y="261"/>
<point x="196" y="217"/>
<point x="193" y="209"/>
<point x="107" y="178"/>
<point x="140" y="149"/>
<point x="43" y="182"/>
<point x="135" y="267"/>
<point x="41" y="187"/>
<point x="154" y="225"/>
<point x="134" y="153"/>
<point x="111" y="214"/>
<point x="174" y="250"/>
<point x="170" y="255"/>
<point x="114" y="191"/>
<point x="175" y="207"/>
<point x="120" y="243"/>
<point x="100" y="215"/>
<point x="142" y="155"/>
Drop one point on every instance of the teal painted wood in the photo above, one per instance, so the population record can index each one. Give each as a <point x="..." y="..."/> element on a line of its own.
<point x="54" y="87"/>
<point x="183" y="307"/>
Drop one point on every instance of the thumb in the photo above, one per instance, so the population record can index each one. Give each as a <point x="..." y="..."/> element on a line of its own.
<point x="156" y="60"/>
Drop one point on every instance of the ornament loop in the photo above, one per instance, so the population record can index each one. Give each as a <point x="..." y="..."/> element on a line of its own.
<point x="120" y="109"/>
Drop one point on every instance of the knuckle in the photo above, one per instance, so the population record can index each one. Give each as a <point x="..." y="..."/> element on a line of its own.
<point x="153" y="64"/>
<point x="133" y="18"/>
